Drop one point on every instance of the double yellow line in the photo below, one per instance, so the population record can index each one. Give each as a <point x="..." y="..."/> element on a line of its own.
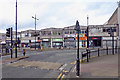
<point x="61" y="76"/>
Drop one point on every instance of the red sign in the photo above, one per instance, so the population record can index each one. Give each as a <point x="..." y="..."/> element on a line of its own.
<point x="94" y="38"/>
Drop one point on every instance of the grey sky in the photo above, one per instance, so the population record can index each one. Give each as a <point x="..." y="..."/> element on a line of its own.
<point x="54" y="13"/>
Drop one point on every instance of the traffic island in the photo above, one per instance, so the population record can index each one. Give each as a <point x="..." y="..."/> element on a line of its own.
<point x="37" y="64"/>
<point x="11" y="60"/>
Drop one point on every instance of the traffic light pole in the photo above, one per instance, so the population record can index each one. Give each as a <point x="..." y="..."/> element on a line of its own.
<point x="16" y="33"/>
<point x="11" y="44"/>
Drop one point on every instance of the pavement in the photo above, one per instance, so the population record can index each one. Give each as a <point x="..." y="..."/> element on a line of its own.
<point x="11" y="60"/>
<point x="99" y="67"/>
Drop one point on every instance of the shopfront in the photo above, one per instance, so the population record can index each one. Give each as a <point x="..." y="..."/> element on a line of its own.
<point x="24" y="43"/>
<point x="57" y="42"/>
<point x="46" y="43"/>
<point x="82" y="40"/>
<point x="37" y="43"/>
<point x="69" y="40"/>
<point x="95" y="41"/>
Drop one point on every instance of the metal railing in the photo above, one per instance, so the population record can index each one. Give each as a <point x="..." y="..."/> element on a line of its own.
<point x="90" y="53"/>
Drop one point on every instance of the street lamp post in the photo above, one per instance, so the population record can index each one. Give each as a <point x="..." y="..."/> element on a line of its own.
<point x="35" y="29"/>
<point x="87" y="33"/>
<point x="77" y="28"/>
<point x="16" y="33"/>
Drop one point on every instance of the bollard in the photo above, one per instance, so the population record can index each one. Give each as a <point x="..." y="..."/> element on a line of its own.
<point x="24" y="52"/>
<point x="2" y="49"/>
<point x="82" y="56"/>
<point x="6" y="50"/>
<point x="107" y="50"/>
<point x="116" y="49"/>
<point x="98" y="52"/>
<point x="87" y="56"/>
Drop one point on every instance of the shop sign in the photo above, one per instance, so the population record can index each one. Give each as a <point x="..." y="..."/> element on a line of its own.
<point x="57" y="39"/>
<point x="81" y="35"/>
<point x="45" y="40"/>
<point x="39" y="40"/>
<point x="81" y="38"/>
<point x="34" y="40"/>
<point x="69" y="35"/>
<point x="24" y="41"/>
<point x="108" y="38"/>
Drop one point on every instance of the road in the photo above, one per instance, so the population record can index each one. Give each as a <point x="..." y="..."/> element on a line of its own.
<point x="45" y="64"/>
<point x="44" y="67"/>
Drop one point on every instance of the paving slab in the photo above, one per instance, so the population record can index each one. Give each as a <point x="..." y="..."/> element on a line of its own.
<point x="99" y="67"/>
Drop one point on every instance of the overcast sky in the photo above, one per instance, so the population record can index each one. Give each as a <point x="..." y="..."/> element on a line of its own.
<point x="54" y="13"/>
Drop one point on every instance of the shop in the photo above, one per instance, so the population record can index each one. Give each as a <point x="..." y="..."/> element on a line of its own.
<point x="37" y="43"/>
<point x="46" y="43"/>
<point x="57" y="42"/>
<point x="95" y="41"/>
<point x="69" y="42"/>
<point x="24" y="43"/>
<point x="82" y="40"/>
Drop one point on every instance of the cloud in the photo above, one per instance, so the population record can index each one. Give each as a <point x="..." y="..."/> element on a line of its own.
<point x="55" y="13"/>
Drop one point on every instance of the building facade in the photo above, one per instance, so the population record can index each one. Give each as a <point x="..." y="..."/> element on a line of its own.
<point x="51" y="37"/>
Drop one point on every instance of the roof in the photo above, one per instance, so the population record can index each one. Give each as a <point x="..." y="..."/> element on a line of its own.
<point x="114" y="18"/>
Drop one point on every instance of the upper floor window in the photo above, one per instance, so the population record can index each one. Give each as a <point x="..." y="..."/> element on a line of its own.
<point x="108" y="29"/>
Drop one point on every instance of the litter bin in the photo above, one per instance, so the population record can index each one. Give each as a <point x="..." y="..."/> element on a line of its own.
<point x="24" y="51"/>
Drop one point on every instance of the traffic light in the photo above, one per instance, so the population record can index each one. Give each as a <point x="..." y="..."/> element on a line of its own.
<point x="38" y="38"/>
<point x="29" y="41"/>
<point x="18" y="40"/>
<point x="110" y="32"/>
<point x="77" y="27"/>
<point x="8" y="32"/>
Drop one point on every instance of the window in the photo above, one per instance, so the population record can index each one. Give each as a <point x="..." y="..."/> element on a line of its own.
<point x="66" y="32"/>
<point x="104" y="30"/>
<point x="73" y="32"/>
<point x="58" y="33"/>
<point x="70" y="32"/>
<point x="29" y="35"/>
<point x="23" y="35"/>
<point x="114" y="30"/>
<point x="82" y="31"/>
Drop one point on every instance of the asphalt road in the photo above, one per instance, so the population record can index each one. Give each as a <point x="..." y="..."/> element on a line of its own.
<point x="64" y="57"/>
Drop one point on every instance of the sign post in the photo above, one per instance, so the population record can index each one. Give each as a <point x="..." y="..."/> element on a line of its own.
<point x="77" y="28"/>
